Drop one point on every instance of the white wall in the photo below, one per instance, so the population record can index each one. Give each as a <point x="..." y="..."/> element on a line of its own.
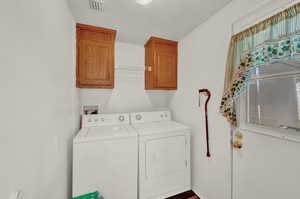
<point x="7" y="99"/>
<point x="39" y="99"/>
<point x="129" y="94"/>
<point x="202" y="56"/>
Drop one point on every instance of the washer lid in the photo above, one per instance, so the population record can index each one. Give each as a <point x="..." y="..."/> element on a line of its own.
<point x="105" y="132"/>
<point x="159" y="127"/>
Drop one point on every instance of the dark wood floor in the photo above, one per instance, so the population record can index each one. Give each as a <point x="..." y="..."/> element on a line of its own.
<point x="185" y="195"/>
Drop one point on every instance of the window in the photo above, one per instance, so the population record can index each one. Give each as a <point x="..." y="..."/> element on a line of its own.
<point x="273" y="96"/>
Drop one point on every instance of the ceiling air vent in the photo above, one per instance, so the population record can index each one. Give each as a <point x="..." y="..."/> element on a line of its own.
<point x="97" y="5"/>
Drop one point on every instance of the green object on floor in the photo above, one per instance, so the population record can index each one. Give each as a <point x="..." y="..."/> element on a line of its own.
<point x="94" y="195"/>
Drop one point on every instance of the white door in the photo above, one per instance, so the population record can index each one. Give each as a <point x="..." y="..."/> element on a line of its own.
<point x="266" y="168"/>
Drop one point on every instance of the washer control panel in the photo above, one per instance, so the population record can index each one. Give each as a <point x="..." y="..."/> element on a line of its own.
<point x="104" y="119"/>
<point x="155" y="116"/>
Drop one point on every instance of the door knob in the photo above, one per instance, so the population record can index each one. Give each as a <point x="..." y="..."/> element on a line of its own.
<point x="237" y="144"/>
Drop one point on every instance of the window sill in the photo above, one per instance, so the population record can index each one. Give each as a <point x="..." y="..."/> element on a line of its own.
<point x="282" y="134"/>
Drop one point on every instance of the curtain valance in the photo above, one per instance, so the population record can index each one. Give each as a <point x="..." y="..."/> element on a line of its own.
<point x="275" y="38"/>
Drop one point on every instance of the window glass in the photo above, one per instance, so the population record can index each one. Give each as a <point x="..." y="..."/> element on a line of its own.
<point x="273" y="96"/>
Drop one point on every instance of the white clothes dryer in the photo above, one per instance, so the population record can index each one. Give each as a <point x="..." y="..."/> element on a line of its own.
<point x="164" y="155"/>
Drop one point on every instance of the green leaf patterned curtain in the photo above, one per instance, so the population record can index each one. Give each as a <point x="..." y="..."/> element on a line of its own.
<point x="277" y="37"/>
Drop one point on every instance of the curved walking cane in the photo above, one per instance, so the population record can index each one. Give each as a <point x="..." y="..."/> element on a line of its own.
<point x="208" y="94"/>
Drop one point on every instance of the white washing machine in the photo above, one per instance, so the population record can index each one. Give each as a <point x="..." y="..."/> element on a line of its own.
<point x="164" y="155"/>
<point x="105" y="157"/>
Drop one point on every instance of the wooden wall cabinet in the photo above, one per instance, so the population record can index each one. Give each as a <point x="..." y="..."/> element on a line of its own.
<point x="95" y="57"/>
<point x="161" y="64"/>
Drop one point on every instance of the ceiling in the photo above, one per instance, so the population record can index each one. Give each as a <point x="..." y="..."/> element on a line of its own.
<point x="171" y="19"/>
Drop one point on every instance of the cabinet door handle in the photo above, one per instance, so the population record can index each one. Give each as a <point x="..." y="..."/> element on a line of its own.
<point x="149" y="68"/>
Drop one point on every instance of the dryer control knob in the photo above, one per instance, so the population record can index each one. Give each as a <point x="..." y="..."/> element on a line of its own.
<point x="121" y="118"/>
<point x="138" y="117"/>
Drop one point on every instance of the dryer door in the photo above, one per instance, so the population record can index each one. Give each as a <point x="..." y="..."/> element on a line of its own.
<point x="165" y="165"/>
<point x="165" y="156"/>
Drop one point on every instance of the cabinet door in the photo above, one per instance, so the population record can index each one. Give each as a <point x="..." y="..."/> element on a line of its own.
<point x="96" y="64"/>
<point x="165" y="68"/>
